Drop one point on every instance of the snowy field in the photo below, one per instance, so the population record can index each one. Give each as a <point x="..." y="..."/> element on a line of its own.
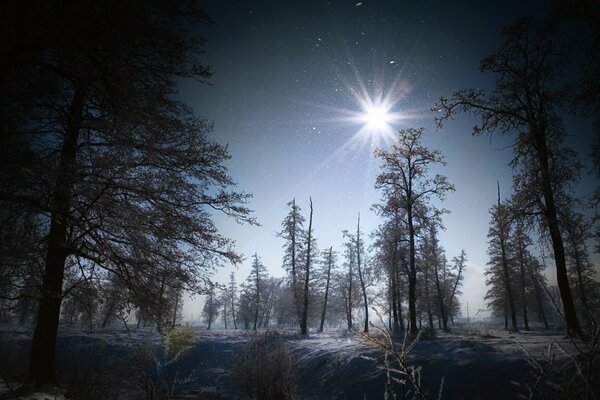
<point x="476" y="362"/>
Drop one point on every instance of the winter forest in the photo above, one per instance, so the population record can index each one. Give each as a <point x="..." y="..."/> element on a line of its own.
<point x="209" y="200"/>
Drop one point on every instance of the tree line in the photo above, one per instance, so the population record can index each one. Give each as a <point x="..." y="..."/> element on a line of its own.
<point x="404" y="267"/>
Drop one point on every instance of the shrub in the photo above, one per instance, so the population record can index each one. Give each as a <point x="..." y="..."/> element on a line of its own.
<point x="263" y="369"/>
<point x="178" y="341"/>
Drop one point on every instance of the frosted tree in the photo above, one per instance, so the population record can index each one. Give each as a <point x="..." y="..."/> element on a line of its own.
<point x="292" y="233"/>
<point x="459" y="264"/>
<point x="256" y="283"/>
<point x="405" y="175"/>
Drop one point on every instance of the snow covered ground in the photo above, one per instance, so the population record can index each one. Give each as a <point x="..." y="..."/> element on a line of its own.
<point x="476" y="362"/>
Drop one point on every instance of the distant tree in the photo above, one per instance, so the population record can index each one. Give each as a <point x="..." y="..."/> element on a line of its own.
<point x="405" y="176"/>
<point x="459" y="265"/>
<point x="500" y="272"/>
<point x="257" y="281"/>
<point x="521" y="241"/>
<point x="115" y="298"/>
<point x="525" y="102"/>
<point x="270" y="298"/>
<point x="328" y="265"/>
<point x="436" y="262"/>
<point x="346" y="280"/>
<point x="390" y="244"/>
<point x="210" y="310"/>
<point x="245" y="306"/>
<point x="231" y="298"/>
<point x="292" y="231"/>
<point x="535" y="271"/>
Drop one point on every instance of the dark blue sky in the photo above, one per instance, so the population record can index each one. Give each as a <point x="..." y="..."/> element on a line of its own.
<point x="285" y="86"/>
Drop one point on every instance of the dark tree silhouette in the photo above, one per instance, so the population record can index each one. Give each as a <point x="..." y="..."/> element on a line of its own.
<point x="525" y="102"/>
<point x="119" y="174"/>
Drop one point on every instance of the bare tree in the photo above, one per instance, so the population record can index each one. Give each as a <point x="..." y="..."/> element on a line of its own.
<point x="405" y="176"/>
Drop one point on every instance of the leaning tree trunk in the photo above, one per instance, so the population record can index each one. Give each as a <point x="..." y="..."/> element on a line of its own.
<point x="43" y="345"/>
<point x="412" y="275"/>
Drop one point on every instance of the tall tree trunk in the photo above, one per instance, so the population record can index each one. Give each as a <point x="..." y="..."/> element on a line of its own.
<point x="304" y="322"/>
<point x="174" y="322"/>
<point x="257" y="290"/>
<point x="329" y="262"/>
<point x="412" y="276"/>
<point x="43" y="346"/>
<point x="521" y="259"/>
<point x="294" y="277"/>
<point x="393" y="297"/>
<point x="360" y="277"/>
<point x="349" y="303"/>
<point x="232" y="288"/>
<point x="551" y="214"/>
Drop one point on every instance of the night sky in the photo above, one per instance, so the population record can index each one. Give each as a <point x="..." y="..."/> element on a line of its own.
<point x="290" y="82"/>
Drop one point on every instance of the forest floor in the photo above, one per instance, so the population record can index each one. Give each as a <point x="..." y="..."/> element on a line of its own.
<point x="474" y="362"/>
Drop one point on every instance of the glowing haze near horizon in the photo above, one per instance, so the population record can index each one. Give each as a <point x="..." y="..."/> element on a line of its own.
<point x="303" y="92"/>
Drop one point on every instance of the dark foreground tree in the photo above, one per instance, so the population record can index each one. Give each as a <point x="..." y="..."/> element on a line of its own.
<point x="526" y="102"/>
<point x="117" y="173"/>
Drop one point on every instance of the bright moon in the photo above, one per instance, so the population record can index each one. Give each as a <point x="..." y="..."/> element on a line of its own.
<point x="377" y="118"/>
